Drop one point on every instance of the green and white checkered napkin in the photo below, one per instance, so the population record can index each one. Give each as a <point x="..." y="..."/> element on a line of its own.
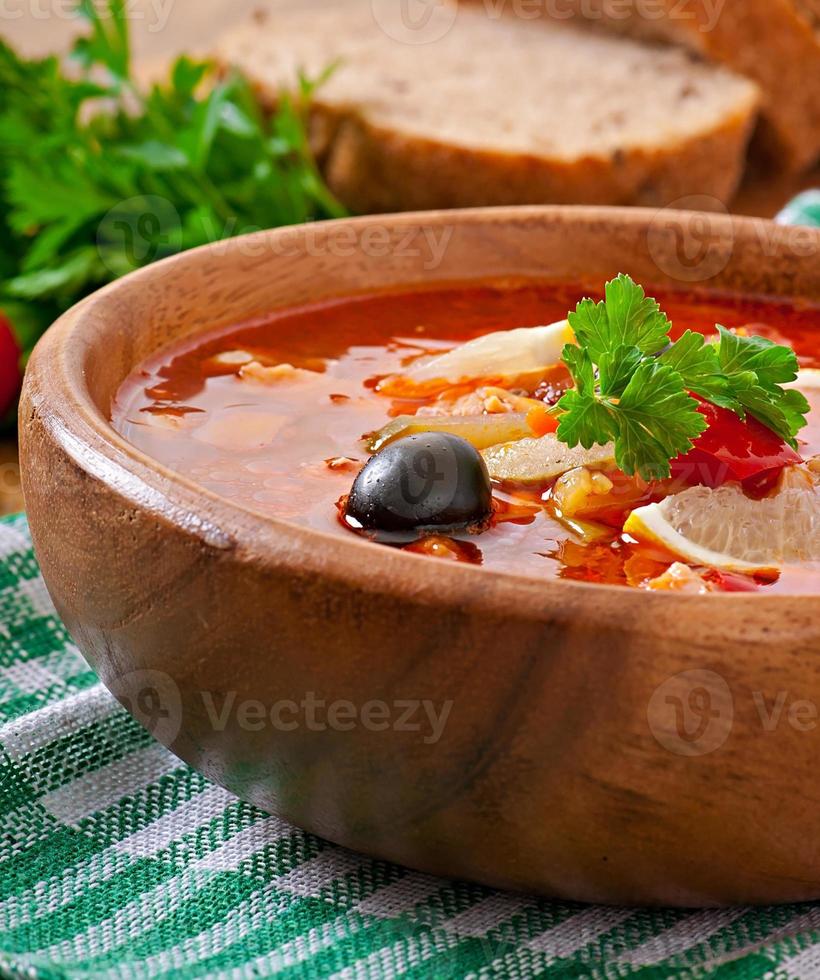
<point x="116" y="860"/>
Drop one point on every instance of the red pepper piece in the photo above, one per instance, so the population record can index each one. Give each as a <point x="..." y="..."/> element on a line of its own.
<point x="733" y="449"/>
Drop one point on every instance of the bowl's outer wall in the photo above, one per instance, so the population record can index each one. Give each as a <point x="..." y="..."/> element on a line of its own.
<point x="574" y="761"/>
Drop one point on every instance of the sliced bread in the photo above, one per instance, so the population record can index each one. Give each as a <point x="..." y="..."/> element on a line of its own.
<point x="475" y="111"/>
<point x="774" y="42"/>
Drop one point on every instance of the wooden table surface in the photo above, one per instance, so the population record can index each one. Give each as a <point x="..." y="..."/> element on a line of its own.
<point x="161" y="28"/>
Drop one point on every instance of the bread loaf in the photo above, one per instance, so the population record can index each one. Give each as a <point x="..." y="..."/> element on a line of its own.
<point x="478" y="110"/>
<point x="776" y="43"/>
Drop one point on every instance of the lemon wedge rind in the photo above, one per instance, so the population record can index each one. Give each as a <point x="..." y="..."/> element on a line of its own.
<point x="650" y="523"/>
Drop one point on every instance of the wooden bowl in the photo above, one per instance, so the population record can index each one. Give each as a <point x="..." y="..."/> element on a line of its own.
<point x="602" y="744"/>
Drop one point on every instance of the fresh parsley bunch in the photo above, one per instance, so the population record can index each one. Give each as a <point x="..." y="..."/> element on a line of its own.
<point x="634" y="387"/>
<point x="98" y="177"/>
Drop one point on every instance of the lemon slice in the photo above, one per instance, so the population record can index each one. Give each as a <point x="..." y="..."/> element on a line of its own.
<point x="724" y="528"/>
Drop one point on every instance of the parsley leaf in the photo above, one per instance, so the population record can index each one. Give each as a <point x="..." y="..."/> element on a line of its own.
<point x="616" y="368"/>
<point x="585" y="419"/>
<point x="108" y="43"/>
<point x="626" y="317"/>
<point x="100" y="177"/>
<point x="621" y="392"/>
<point x="658" y="421"/>
<point x="652" y="422"/>
<point x="636" y="402"/>
<point x="755" y="369"/>
<point x="698" y="364"/>
<point x="772" y="363"/>
<point x="635" y="388"/>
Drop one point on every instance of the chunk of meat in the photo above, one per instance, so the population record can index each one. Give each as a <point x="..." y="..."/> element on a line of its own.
<point x="678" y="578"/>
<point x="240" y="431"/>
<point x="489" y="399"/>
<point x="274" y="373"/>
<point x="580" y="489"/>
<point x="232" y="358"/>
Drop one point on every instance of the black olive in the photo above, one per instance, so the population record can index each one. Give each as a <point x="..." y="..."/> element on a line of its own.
<point x="434" y="480"/>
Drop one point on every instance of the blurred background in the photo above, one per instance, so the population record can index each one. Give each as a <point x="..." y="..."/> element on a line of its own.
<point x="160" y="28"/>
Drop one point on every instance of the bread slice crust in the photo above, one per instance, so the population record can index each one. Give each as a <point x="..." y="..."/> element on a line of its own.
<point x="776" y="43"/>
<point x="373" y="170"/>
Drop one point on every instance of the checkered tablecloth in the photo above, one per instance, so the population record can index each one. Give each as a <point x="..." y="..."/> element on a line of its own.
<point x="116" y="860"/>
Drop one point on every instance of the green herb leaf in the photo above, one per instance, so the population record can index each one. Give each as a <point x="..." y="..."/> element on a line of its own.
<point x="633" y="398"/>
<point x="698" y="364"/>
<point x="755" y="370"/>
<point x="580" y="365"/>
<point x="91" y="187"/>
<point x="108" y="44"/>
<point x="616" y="368"/>
<point x="652" y="422"/>
<point x="657" y="421"/>
<point x="585" y="419"/>
<point x="773" y="363"/>
<point x="627" y="317"/>
<point x="634" y="387"/>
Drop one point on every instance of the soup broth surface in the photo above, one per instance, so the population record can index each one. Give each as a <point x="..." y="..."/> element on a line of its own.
<point x="291" y="449"/>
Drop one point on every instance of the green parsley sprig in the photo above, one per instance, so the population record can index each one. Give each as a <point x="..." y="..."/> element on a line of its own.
<point x="634" y="387"/>
<point x="100" y="175"/>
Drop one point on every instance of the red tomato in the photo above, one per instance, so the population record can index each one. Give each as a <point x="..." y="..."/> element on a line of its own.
<point x="9" y="365"/>
<point x="730" y="582"/>
<point x="733" y="449"/>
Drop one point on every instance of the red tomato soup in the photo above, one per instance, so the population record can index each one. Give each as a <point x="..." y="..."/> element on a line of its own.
<point x="287" y="441"/>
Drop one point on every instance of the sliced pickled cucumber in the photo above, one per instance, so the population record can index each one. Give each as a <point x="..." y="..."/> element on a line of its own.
<point x="540" y="461"/>
<point x="480" y="431"/>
